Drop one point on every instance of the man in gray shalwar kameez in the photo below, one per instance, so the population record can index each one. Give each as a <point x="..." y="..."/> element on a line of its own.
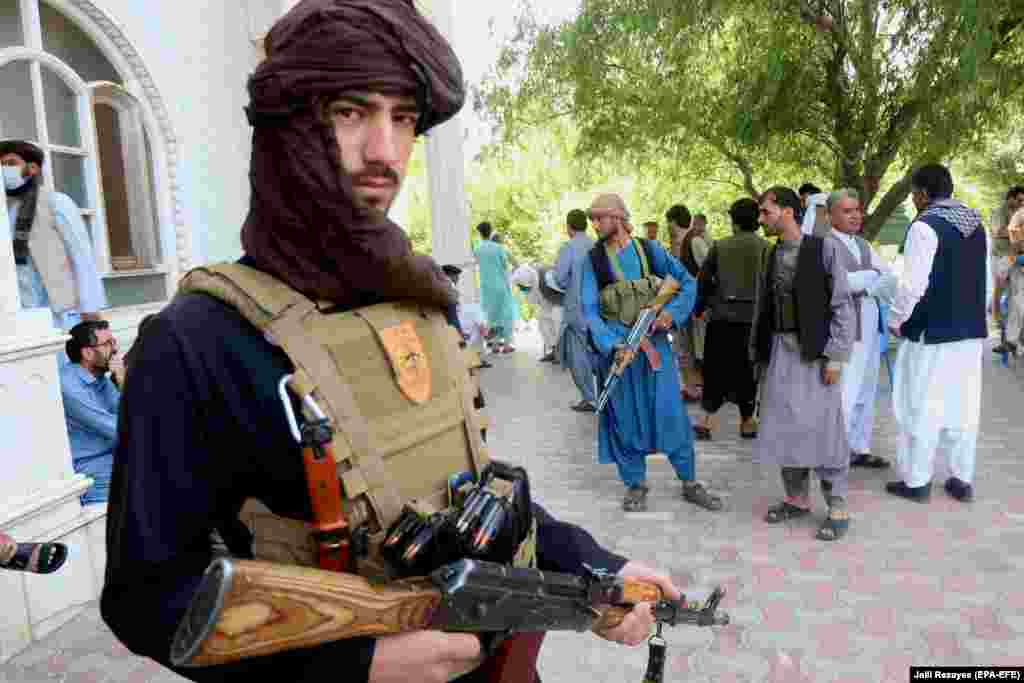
<point x="573" y="345"/>
<point x="803" y="334"/>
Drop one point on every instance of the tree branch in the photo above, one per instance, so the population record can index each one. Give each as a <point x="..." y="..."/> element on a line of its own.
<point x="896" y="195"/>
<point x="742" y="164"/>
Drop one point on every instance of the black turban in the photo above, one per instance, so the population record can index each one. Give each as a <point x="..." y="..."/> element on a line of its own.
<point x="303" y="225"/>
<point x="26" y="150"/>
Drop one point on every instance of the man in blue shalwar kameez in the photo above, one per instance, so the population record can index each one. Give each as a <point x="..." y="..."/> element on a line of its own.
<point x="645" y="413"/>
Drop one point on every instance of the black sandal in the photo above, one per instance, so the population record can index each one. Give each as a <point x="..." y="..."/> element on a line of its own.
<point x="698" y="495"/>
<point x="784" y="512"/>
<point x="832" y="529"/>
<point x="50" y="558"/>
<point x="635" y="500"/>
<point x="701" y="433"/>
<point x="875" y="462"/>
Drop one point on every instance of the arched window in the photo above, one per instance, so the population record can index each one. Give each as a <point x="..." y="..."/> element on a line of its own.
<point x="62" y="93"/>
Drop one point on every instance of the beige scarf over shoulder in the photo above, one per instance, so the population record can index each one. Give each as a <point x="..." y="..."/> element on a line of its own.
<point x="46" y="245"/>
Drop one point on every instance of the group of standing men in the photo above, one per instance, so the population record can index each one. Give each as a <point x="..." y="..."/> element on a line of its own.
<point x="810" y="317"/>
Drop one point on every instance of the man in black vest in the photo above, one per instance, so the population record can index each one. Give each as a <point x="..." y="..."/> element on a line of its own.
<point x="803" y="334"/>
<point x="939" y="310"/>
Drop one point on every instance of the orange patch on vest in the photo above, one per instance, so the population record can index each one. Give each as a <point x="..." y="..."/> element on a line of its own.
<point x="408" y="360"/>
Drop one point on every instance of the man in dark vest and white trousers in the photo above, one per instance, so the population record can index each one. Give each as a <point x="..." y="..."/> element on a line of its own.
<point x="803" y="333"/>
<point x="939" y="310"/>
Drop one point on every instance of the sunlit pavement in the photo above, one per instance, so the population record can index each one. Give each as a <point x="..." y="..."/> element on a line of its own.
<point x="941" y="583"/>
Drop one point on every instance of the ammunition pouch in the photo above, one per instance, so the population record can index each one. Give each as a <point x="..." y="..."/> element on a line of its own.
<point x="622" y="301"/>
<point x="490" y="520"/>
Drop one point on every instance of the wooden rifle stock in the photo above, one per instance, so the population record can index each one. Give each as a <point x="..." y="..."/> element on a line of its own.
<point x="247" y="608"/>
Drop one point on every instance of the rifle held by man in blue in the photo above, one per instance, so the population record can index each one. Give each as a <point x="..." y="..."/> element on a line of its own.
<point x="642" y="328"/>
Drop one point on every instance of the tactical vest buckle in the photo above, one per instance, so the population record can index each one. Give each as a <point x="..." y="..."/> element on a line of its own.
<point x="289" y="412"/>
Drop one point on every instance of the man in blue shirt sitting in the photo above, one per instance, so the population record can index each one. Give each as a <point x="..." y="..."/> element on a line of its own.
<point x="90" y="404"/>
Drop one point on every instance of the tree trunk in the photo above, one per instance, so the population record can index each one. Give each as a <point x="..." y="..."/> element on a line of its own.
<point x="896" y="195"/>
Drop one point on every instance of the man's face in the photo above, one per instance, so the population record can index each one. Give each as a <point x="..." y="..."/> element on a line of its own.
<point x="652" y="231"/>
<point x="1014" y="202"/>
<point x="847" y="216"/>
<point x="12" y="159"/>
<point x="803" y="199"/>
<point x="606" y="225"/>
<point x="96" y="358"/>
<point x="375" y="134"/>
<point x="699" y="225"/>
<point x="771" y="216"/>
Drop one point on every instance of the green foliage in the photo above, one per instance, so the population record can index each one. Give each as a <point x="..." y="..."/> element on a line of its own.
<point x="854" y="91"/>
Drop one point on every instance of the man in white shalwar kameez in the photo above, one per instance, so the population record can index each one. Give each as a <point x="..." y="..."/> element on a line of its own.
<point x="547" y="303"/>
<point x="939" y="310"/>
<point x="871" y="281"/>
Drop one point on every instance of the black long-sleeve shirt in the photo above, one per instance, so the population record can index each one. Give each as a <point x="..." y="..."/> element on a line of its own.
<point x="201" y="430"/>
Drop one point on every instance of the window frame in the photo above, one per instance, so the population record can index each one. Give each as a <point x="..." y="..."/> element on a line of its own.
<point x="156" y="206"/>
<point x="140" y="180"/>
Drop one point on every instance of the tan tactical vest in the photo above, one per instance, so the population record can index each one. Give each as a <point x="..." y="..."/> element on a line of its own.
<point x="396" y="386"/>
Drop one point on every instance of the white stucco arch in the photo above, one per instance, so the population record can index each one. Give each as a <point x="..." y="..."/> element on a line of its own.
<point x="118" y="49"/>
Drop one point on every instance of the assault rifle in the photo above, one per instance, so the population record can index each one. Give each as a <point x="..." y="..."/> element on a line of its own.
<point x="246" y="608"/>
<point x="641" y="330"/>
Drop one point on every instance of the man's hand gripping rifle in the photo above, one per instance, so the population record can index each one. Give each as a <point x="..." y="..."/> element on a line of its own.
<point x="246" y="608"/>
<point x="642" y="329"/>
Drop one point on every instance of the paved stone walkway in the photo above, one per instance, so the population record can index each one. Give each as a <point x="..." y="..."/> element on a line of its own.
<point x="910" y="584"/>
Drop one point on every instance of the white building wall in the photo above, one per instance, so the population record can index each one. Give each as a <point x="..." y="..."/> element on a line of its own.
<point x="197" y="55"/>
<point x="200" y="54"/>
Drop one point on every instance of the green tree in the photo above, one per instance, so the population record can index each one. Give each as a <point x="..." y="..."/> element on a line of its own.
<point x="852" y="92"/>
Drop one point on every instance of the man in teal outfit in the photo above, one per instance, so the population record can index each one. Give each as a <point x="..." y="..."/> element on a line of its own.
<point x="645" y="414"/>
<point x="500" y="306"/>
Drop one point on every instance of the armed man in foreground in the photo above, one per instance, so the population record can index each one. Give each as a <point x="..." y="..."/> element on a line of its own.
<point x="209" y="444"/>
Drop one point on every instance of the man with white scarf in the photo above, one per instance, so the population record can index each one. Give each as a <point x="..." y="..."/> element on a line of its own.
<point x="871" y="282"/>
<point x="939" y="310"/>
<point x="547" y="302"/>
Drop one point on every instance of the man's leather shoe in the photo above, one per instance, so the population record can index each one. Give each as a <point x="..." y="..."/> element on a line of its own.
<point x="960" y="490"/>
<point x="918" y="494"/>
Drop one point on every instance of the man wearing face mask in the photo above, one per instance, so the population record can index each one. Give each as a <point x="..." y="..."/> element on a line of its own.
<point x="91" y="402"/>
<point x="52" y="250"/>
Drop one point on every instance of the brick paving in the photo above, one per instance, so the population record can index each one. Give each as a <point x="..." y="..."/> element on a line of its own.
<point x="910" y="584"/>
